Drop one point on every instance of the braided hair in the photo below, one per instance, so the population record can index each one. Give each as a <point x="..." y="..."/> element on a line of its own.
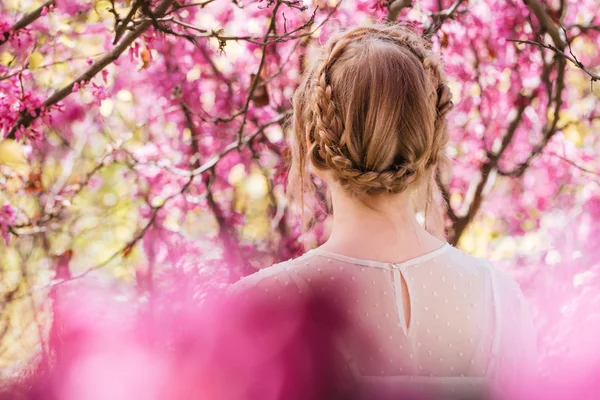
<point x="372" y="112"/>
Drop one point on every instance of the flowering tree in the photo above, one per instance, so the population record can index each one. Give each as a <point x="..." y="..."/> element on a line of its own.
<point x="142" y="137"/>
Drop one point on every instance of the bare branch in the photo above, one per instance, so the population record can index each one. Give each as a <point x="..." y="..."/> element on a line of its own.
<point x="575" y="61"/>
<point x="212" y="162"/>
<point x="574" y="164"/>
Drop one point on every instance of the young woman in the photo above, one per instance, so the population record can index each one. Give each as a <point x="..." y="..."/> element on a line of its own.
<point x="370" y="121"/>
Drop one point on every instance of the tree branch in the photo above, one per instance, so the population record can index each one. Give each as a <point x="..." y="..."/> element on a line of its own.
<point x="257" y="76"/>
<point x="235" y="145"/>
<point x="584" y="28"/>
<point x="440" y="17"/>
<point x="549" y="26"/>
<point x="27" y="19"/>
<point x="225" y="233"/>
<point x="577" y="63"/>
<point x="574" y="164"/>
<point x="121" y="25"/>
<point x="27" y="119"/>
<point x="550" y="130"/>
<point x="487" y="169"/>
<point x="394" y="8"/>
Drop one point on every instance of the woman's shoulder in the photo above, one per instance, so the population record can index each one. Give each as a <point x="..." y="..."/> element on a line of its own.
<point x="503" y="282"/>
<point x="282" y="274"/>
<point x="505" y="287"/>
<point x="481" y="264"/>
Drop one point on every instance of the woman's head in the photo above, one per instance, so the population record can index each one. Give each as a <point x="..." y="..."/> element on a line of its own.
<point x="370" y="113"/>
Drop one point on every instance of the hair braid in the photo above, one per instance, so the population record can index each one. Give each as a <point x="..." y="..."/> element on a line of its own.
<point x="372" y="112"/>
<point x="327" y="149"/>
<point x="441" y="94"/>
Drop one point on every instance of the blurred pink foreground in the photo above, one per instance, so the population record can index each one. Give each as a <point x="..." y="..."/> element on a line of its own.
<point x="225" y="348"/>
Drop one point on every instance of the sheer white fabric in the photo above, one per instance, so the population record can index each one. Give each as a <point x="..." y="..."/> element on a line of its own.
<point x="445" y="318"/>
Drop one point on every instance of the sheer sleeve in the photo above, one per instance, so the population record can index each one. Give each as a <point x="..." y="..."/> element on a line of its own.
<point x="304" y="319"/>
<point x="278" y="279"/>
<point x="291" y="332"/>
<point x="516" y="349"/>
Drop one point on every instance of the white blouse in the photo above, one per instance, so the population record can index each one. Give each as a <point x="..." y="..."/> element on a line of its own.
<point x="444" y="320"/>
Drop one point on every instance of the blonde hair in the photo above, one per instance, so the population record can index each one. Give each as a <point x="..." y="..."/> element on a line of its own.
<point x="372" y="112"/>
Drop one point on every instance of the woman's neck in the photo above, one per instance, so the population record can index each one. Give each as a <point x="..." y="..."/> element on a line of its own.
<point x="379" y="229"/>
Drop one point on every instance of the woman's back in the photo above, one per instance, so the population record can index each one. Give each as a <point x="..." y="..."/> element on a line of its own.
<point x="370" y="122"/>
<point x="444" y="317"/>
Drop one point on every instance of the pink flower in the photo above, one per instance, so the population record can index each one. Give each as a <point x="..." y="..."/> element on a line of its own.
<point x="73" y="7"/>
<point x="95" y="182"/>
<point x="592" y="206"/>
<point x="99" y="92"/>
<point x="8" y="217"/>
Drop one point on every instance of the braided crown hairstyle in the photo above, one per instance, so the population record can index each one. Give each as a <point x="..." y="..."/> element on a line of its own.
<point x="372" y="112"/>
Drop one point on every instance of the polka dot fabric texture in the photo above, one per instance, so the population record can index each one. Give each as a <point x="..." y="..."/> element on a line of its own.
<point x="445" y="319"/>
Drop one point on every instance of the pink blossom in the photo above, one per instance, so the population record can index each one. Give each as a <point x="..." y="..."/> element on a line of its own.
<point x="99" y="93"/>
<point x="95" y="182"/>
<point x="73" y="7"/>
<point x="8" y="217"/>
